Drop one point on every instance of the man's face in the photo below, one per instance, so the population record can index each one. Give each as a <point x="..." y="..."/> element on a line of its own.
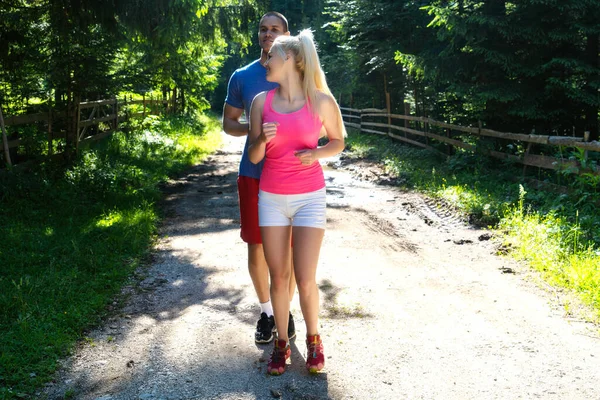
<point x="270" y="27"/>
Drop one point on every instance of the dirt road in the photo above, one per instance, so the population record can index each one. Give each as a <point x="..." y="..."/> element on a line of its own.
<point x="415" y="306"/>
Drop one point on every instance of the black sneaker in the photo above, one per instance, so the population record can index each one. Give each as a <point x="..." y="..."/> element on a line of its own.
<point x="291" y="328"/>
<point x="264" y="329"/>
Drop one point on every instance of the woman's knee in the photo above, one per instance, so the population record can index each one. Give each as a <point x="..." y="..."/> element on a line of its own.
<point x="280" y="278"/>
<point x="306" y="285"/>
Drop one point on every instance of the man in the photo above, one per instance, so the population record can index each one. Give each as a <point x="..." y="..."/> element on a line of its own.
<point x="244" y="85"/>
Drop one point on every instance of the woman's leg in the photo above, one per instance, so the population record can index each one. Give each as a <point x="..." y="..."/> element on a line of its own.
<point x="276" y="244"/>
<point x="307" y="246"/>
<point x="292" y="288"/>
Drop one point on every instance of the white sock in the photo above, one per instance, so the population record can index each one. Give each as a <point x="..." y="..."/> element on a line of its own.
<point x="266" y="308"/>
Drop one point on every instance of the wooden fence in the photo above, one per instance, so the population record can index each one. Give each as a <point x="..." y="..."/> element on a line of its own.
<point x="426" y="132"/>
<point x="91" y="120"/>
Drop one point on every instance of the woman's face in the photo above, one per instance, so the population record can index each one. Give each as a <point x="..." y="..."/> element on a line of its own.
<point x="275" y="64"/>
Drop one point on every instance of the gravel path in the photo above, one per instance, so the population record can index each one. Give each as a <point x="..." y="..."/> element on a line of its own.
<point x="415" y="305"/>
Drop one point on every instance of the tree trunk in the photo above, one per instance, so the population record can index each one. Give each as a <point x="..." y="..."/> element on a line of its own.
<point x="165" y="96"/>
<point x="71" y="120"/>
<point x="7" y="158"/>
<point x="182" y="101"/>
<point x="591" y="111"/>
<point x="174" y="97"/>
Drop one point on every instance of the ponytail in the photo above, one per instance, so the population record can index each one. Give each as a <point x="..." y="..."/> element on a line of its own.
<point x="314" y="78"/>
<point x="307" y="62"/>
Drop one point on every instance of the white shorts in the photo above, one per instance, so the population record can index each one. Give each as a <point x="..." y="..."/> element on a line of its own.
<point x="306" y="209"/>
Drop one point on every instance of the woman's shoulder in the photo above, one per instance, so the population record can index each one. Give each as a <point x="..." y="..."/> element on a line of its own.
<point x="323" y="97"/>
<point x="259" y="99"/>
<point x="325" y="101"/>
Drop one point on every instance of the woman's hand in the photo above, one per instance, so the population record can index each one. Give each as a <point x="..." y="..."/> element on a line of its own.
<point x="269" y="130"/>
<point x="306" y="157"/>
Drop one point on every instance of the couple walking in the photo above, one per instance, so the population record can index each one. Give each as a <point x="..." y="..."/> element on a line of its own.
<point x="281" y="185"/>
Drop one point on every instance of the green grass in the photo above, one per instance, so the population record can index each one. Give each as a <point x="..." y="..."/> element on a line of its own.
<point x="556" y="234"/>
<point x="72" y="236"/>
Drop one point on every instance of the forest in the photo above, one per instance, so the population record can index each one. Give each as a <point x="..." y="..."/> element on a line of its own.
<point x="517" y="66"/>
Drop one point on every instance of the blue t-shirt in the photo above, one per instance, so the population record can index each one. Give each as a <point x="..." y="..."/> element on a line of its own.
<point x="244" y="85"/>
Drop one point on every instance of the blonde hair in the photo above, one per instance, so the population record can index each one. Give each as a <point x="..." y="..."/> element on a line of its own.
<point x="304" y="50"/>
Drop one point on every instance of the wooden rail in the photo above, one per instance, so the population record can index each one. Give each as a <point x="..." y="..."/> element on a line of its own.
<point x="362" y="119"/>
<point x="109" y="112"/>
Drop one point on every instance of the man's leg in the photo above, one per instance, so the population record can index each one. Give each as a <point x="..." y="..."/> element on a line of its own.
<point x="259" y="272"/>
<point x="257" y="266"/>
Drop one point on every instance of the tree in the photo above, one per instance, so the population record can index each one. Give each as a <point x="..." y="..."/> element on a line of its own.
<point x="516" y="66"/>
<point x="74" y="49"/>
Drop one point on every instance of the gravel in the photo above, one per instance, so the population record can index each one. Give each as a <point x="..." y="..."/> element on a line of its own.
<point x="415" y="305"/>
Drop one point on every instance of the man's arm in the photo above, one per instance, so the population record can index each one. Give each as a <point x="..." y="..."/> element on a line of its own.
<point x="231" y="121"/>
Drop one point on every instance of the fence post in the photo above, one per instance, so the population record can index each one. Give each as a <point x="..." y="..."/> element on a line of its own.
<point x="480" y="127"/>
<point x="586" y="138"/>
<point x="116" y="109"/>
<point x="4" y="140"/>
<point x="524" y="156"/>
<point x="529" y="149"/>
<point x="407" y="113"/>
<point x="361" y="121"/>
<point x="78" y="119"/>
<point x="388" y="106"/>
<point x="426" y="129"/>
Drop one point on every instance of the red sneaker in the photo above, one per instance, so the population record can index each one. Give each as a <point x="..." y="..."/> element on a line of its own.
<point x="315" y="359"/>
<point x="281" y="352"/>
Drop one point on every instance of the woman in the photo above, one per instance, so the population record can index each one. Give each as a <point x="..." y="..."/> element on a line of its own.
<point x="285" y="126"/>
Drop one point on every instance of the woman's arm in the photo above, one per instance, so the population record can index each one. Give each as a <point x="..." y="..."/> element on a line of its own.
<point x="330" y="115"/>
<point x="258" y="136"/>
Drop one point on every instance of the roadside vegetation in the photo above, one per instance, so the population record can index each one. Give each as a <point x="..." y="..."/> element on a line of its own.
<point x="557" y="234"/>
<point x="73" y="235"/>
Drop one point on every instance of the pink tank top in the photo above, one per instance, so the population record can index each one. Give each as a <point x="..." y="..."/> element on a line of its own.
<point x="282" y="172"/>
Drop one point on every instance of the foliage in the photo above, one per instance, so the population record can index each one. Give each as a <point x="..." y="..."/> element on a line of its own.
<point x="63" y="265"/>
<point x="69" y="49"/>
<point x="525" y="65"/>
<point x="552" y="245"/>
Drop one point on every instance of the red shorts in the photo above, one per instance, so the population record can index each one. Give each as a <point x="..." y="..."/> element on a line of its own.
<point x="248" y="200"/>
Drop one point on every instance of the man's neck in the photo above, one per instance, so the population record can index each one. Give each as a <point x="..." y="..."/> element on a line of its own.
<point x="263" y="57"/>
